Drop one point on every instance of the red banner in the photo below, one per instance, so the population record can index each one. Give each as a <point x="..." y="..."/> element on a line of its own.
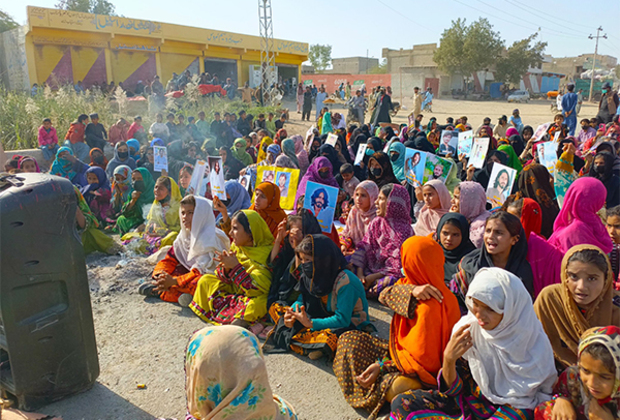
<point x="332" y="81"/>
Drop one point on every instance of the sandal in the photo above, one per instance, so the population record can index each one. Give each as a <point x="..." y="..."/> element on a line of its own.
<point x="263" y="335"/>
<point x="256" y="328"/>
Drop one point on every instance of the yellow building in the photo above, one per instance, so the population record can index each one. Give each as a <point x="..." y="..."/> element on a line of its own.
<point x="67" y="47"/>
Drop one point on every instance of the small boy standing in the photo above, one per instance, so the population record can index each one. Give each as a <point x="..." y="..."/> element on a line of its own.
<point x="613" y="228"/>
<point x="349" y="180"/>
<point x="48" y="140"/>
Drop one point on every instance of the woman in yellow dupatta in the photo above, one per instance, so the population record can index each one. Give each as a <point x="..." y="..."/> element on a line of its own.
<point x="237" y="292"/>
<point x="162" y="223"/>
<point x="262" y="150"/>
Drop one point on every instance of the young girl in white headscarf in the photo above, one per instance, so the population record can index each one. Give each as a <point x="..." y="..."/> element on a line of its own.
<point x="192" y="255"/>
<point x="498" y="363"/>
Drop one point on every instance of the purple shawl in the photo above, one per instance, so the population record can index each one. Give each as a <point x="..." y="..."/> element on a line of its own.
<point x="312" y="175"/>
<point x="380" y="247"/>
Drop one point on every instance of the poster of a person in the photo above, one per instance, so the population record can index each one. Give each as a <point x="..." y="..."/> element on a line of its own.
<point x="500" y="184"/>
<point x="268" y="176"/>
<point x="245" y="180"/>
<point x="283" y="180"/>
<point x="479" y="152"/>
<point x="466" y="140"/>
<point x="161" y="158"/>
<point x="321" y="201"/>
<point x="197" y="177"/>
<point x="449" y="142"/>
<point x="216" y="178"/>
<point x="361" y="152"/>
<point x="332" y="139"/>
<point x="436" y="168"/>
<point x="547" y="155"/>
<point x="415" y="161"/>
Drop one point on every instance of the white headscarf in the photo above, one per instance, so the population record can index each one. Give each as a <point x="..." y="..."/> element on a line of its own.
<point x="196" y="249"/>
<point x="512" y="364"/>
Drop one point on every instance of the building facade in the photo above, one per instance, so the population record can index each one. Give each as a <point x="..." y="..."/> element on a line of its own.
<point x="60" y="46"/>
<point x="353" y="65"/>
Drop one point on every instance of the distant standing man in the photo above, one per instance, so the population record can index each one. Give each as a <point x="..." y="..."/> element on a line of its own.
<point x="417" y="101"/>
<point x="307" y="108"/>
<point x="579" y="101"/>
<point x="300" y="97"/>
<point x="608" y="105"/>
<point x="569" y="108"/>
<point x="359" y="105"/>
<point x="320" y="97"/>
<point x="347" y="91"/>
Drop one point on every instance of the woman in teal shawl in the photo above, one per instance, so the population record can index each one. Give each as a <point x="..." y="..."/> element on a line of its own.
<point x="326" y="125"/>
<point x="513" y="159"/>
<point x="397" y="157"/>
<point x="132" y="213"/>
<point x="288" y="148"/>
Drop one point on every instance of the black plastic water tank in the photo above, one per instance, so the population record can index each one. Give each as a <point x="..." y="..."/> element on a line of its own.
<point x="47" y="337"/>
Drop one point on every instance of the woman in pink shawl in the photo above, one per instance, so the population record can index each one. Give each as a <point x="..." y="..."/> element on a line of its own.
<point x="320" y="171"/>
<point x="436" y="204"/>
<point x="360" y="216"/>
<point x="377" y="257"/>
<point x="577" y="224"/>
<point x="473" y="207"/>
<point x="301" y="153"/>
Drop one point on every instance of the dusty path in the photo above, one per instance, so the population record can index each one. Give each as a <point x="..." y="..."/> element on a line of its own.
<point x="143" y="341"/>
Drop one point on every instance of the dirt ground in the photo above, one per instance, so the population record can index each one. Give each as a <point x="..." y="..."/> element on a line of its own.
<point x="142" y="341"/>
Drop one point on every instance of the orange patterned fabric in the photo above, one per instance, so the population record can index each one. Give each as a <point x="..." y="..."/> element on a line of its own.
<point x="417" y="344"/>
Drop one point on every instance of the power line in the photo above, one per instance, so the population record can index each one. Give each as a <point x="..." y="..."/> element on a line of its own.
<point x="546" y="13"/>
<point x="502" y="19"/>
<point x="405" y="16"/>
<point x="512" y="2"/>
<point x="548" y="29"/>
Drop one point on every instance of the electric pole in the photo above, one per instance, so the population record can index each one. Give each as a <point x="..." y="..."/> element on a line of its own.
<point x="600" y="29"/>
<point x="267" y="56"/>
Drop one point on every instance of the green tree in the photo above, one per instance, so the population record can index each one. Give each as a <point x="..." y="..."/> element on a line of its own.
<point x="6" y="22"/>
<point x="100" y="7"/>
<point x="520" y="56"/>
<point x="466" y="49"/>
<point x="320" y="56"/>
<point x="380" y="69"/>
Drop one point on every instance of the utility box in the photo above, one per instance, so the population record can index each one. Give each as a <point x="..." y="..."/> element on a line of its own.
<point x="47" y="337"/>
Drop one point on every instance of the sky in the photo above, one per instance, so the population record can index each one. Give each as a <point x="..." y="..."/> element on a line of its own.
<point x="365" y="27"/>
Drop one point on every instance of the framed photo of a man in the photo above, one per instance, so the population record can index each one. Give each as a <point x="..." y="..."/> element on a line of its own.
<point x="500" y="184"/>
<point x="275" y="176"/>
<point x="436" y="168"/>
<point x="160" y="154"/>
<point x="321" y="201"/>
<point x="449" y="142"/>
<point x="287" y="180"/>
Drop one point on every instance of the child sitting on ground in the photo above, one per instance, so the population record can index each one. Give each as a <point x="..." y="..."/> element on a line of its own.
<point x="589" y="389"/>
<point x="192" y="255"/>
<point x="48" y="140"/>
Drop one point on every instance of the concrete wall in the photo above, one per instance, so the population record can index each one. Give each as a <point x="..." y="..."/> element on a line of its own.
<point x="13" y="60"/>
<point x="353" y="65"/>
<point x="419" y="56"/>
<point x="416" y="76"/>
<point x="332" y="81"/>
